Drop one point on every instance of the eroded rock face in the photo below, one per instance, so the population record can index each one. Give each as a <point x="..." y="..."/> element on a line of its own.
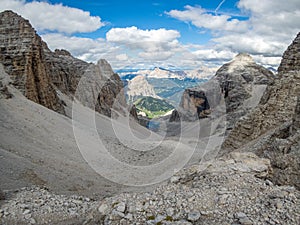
<point x="206" y="96"/>
<point x="276" y="107"/>
<point x="64" y="69"/>
<point x="24" y="60"/>
<point x="38" y="72"/>
<point x="296" y="118"/>
<point x="291" y="57"/>
<point x="242" y="82"/>
<point x="101" y="89"/>
<point x="271" y="130"/>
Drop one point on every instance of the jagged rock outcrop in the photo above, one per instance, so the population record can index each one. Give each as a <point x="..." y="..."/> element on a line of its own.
<point x="291" y="57"/>
<point x="175" y="116"/>
<point x="24" y="60"/>
<point x="242" y="82"/>
<point x="2" y="195"/>
<point x="139" y="87"/>
<point x="4" y="82"/>
<point x="38" y="72"/>
<point x="101" y="89"/>
<point x="64" y="69"/>
<point x="296" y="118"/>
<point x="206" y="97"/>
<point x="272" y="129"/>
<point x="194" y="105"/>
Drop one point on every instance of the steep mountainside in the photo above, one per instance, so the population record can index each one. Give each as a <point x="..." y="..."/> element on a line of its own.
<point x="272" y="128"/>
<point x="23" y="57"/>
<point x="242" y="82"/>
<point x="38" y="73"/>
<point x="139" y="87"/>
<point x="291" y="57"/>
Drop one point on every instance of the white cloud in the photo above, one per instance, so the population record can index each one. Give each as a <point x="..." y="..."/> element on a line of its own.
<point x="270" y="28"/>
<point x="211" y="54"/>
<point x="155" y="45"/>
<point x="86" y="49"/>
<point x="203" y="19"/>
<point x="122" y="57"/>
<point x="45" y="16"/>
<point x="135" y="35"/>
<point x="267" y="61"/>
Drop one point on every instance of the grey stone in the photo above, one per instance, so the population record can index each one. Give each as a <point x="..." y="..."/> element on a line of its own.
<point x="194" y="216"/>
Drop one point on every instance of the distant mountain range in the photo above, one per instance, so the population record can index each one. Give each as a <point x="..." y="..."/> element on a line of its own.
<point x="162" y="83"/>
<point x="159" y="73"/>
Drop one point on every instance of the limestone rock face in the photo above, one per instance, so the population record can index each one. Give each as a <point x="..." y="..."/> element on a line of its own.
<point x="101" y="89"/>
<point x="24" y="60"/>
<point x="276" y="107"/>
<point x="271" y="130"/>
<point x="206" y="96"/>
<point x="291" y="57"/>
<point x="38" y="72"/>
<point x="139" y="87"/>
<point x="242" y="82"/>
<point x="296" y="118"/>
<point x="64" y="69"/>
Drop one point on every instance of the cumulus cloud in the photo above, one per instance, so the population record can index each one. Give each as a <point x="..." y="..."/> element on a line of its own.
<point x="122" y="57"/>
<point x="86" y="49"/>
<point x="134" y="35"/>
<point x="203" y="19"/>
<point x="269" y="29"/>
<point x="47" y="17"/>
<point x="159" y="44"/>
<point x="214" y="55"/>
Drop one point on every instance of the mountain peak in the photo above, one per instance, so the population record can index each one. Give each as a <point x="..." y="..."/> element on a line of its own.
<point x="240" y="61"/>
<point x="245" y="57"/>
<point x="291" y="57"/>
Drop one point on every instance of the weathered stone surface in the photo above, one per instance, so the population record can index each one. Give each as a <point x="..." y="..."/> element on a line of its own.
<point x="38" y="72"/>
<point x="242" y="82"/>
<point x="207" y="96"/>
<point x="175" y="117"/>
<point x="194" y="105"/>
<point x="277" y="106"/>
<point x="2" y="195"/>
<point x="101" y="89"/>
<point x="64" y="69"/>
<point x="291" y="57"/>
<point x="296" y="118"/>
<point x="24" y="60"/>
<point x="271" y="130"/>
<point x="200" y="195"/>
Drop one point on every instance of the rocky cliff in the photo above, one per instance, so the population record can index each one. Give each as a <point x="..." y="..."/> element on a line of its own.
<point x="291" y="57"/>
<point x="242" y="82"/>
<point x="23" y="58"/>
<point x="272" y="128"/>
<point x="277" y="104"/>
<point x="38" y="72"/>
<point x="139" y="87"/>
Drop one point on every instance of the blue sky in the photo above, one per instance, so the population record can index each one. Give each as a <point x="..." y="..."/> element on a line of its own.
<point x="178" y="33"/>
